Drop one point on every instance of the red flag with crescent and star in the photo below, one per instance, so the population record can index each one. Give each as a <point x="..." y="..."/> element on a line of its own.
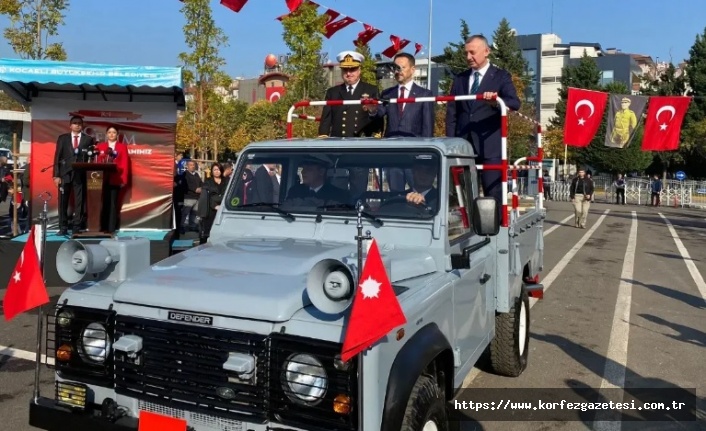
<point x="397" y="45"/>
<point x="366" y="35"/>
<point x="26" y="288"/>
<point x="665" y="115"/>
<point x="333" y="26"/>
<point x="584" y="113"/>
<point x="376" y="310"/>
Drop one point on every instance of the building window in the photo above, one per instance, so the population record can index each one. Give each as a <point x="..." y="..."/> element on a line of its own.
<point x="548" y="106"/>
<point x="550" y="79"/>
<point x="553" y="52"/>
<point x="606" y="77"/>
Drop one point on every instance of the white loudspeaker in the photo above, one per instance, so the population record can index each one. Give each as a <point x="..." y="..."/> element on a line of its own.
<point x="330" y="286"/>
<point x="74" y="260"/>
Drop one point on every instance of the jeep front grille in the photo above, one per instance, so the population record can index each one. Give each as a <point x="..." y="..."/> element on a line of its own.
<point x="181" y="366"/>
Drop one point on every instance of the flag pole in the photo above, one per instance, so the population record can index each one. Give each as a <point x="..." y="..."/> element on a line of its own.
<point x="566" y="167"/>
<point x="46" y="197"/>
<point x="359" y="238"/>
<point x="431" y="5"/>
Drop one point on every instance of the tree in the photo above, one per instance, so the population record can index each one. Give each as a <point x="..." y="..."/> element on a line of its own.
<point x="696" y="76"/>
<point x="32" y="23"/>
<point x="202" y="67"/>
<point x="454" y="57"/>
<point x="367" y="68"/>
<point x="506" y="52"/>
<point x="521" y="136"/>
<point x="303" y="35"/>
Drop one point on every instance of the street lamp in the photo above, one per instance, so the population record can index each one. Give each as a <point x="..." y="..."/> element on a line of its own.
<point x="431" y="6"/>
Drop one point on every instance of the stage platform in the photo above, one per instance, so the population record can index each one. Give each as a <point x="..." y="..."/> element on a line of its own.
<point x="163" y="243"/>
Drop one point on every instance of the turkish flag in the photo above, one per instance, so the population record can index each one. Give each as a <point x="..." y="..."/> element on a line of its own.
<point x="330" y="16"/>
<point x="366" y="35"/>
<point x="375" y="308"/>
<point x="26" y="289"/>
<point x="234" y="5"/>
<point x="584" y="113"/>
<point x="294" y="4"/>
<point x="332" y="27"/>
<point x="273" y="94"/>
<point x="665" y="115"/>
<point x="397" y="45"/>
<point x="417" y="47"/>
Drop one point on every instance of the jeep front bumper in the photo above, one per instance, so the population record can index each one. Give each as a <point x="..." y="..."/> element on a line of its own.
<point x="46" y="414"/>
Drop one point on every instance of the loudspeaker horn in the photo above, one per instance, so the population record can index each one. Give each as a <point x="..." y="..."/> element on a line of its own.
<point x="330" y="286"/>
<point x="74" y="260"/>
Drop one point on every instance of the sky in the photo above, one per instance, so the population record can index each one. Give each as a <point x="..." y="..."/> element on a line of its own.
<point x="149" y="32"/>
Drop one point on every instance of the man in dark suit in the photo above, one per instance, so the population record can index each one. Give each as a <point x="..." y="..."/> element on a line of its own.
<point x="405" y="119"/>
<point x="69" y="149"/>
<point x="479" y="122"/>
<point x="263" y="186"/>
<point x="314" y="189"/>
<point x="424" y="172"/>
<point x="349" y="121"/>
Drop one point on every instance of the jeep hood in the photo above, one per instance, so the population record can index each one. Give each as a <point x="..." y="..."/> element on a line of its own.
<point x="261" y="280"/>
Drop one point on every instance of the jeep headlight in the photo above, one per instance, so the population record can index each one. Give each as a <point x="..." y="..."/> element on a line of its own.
<point x="95" y="342"/>
<point x="304" y="379"/>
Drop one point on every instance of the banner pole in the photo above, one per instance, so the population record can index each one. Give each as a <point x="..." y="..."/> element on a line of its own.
<point x="42" y="262"/>
<point x="359" y="239"/>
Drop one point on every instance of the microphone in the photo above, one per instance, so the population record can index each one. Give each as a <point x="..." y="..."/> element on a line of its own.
<point x="61" y="162"/>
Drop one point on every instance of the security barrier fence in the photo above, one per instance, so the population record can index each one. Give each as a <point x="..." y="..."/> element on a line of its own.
<point x="638" y="191"/>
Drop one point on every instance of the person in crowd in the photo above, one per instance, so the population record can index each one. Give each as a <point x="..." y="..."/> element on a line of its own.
<point x="227" y="170"/>
<point x="14" y="193"/>
<point x="479" y="122"/>
<point x="656" y="188"/>
<point x="69" y="149"/>
<point x="210" y="200"/>
<point x="192" y="190"/>
<point x="619" y="185"/>
<point x="314" y="189"/>
<point x="265" y="183"/>
<point x="113" y="151"/>
<point x="547" y="185"/>
<point x="580" y="193"/>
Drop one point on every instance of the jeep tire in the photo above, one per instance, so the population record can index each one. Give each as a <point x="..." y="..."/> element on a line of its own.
<point x="426" y="408"/>
<point x="509" y="348"/>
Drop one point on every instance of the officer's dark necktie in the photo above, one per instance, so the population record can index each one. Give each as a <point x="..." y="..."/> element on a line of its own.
<point x="476" y="82"/>
<point x="400" y="106"/>
<point x="350" y="90"/>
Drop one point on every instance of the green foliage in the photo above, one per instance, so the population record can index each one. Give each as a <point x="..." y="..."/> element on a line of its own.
<point x="32" y="23"/>
<point x="583" y="75"/>
<point x="367" y="68"/>
<point x="696" y="75"/>
<point x="615" y="160"/>
<point x="454" y="57"/>
<point x="303" y="35"/>
<point x="10" y="104"/>
<point x="202" y="74"/>
<point x="506" y="52"/>
<point x="202" y="65"/>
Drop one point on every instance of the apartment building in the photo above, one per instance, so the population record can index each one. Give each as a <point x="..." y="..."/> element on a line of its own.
<point x="547" y="55"/>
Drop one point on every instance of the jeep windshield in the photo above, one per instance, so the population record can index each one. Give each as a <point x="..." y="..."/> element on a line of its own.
<point x="390" y="183"/>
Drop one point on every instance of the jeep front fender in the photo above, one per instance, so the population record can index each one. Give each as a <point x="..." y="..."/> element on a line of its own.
<point x="417" y="353"/>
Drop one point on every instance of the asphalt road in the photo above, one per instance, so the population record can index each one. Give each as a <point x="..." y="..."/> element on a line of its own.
<point x="624" y="308"/>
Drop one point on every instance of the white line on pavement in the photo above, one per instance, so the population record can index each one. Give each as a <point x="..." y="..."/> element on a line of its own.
<point x="557" y="226"/>
<point x="695" y="274"/>
<point x="23" y="354"/>
<point x="553" y="274"/>
<point x="617" y="355"/>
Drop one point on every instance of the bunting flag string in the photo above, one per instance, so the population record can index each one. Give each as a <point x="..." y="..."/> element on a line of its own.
<point x="332" y="26"/>
<point x="664" y="117"/>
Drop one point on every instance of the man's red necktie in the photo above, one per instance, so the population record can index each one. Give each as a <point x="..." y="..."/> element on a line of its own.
<point x="75" y="141"/>
<point x="400" y="106"/>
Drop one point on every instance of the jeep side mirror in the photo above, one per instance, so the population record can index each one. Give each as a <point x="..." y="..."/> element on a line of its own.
<point x="485" y="218"/>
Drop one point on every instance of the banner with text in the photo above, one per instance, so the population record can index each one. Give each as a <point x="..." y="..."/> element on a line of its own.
<point x="148" y="129"/>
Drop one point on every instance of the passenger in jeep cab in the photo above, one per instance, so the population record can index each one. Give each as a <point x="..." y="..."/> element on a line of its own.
<point x="315" y="187"/>
<point x="424" y="173"/>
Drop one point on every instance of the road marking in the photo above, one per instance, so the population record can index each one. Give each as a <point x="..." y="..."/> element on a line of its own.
<point x="553" y="274"/>
<point x="617" y="355"/>
<point x="23" y="354"/>
<point x="558" y="225"/>
<point x="695" y="274"/>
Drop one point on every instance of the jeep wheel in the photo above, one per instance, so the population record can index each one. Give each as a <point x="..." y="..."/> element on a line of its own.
<point x="426" y="408"/>
<point x="509" y="348"/>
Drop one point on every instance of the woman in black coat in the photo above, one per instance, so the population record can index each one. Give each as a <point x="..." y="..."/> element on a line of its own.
<point x="210" y="200"/>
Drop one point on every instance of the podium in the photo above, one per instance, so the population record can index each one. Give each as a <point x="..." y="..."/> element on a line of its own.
<point x="96" y="174"/>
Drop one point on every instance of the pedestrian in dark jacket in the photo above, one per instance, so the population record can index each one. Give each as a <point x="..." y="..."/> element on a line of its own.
<point x="581" y="192"/>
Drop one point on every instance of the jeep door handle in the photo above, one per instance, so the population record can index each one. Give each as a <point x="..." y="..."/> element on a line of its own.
<point x="484" y="279"/>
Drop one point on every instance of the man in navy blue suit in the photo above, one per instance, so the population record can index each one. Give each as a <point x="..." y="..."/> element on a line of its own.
<point x="479" y="122"/>
<point x="405" y="119"/>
